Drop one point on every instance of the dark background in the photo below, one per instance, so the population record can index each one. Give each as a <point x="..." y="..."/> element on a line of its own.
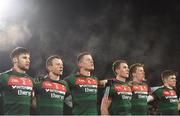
<point x="143" y="31"/>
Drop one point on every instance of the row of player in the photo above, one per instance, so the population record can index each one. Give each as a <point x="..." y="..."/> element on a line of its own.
<point x="20" y="93"/>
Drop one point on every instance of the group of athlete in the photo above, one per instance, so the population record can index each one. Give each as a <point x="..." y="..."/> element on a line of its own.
<point x="20" y="93"/>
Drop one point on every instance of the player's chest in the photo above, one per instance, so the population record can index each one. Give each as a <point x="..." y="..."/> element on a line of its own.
<point x="140" y="91"/>
<point x="123" y="91"/>
<point x="52" y="90"/>
<point x="169" y="96"/>
<point x="21" y="86"/>
<point x="85" y="85"/>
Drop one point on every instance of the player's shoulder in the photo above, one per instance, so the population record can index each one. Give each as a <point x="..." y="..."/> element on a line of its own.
<point x="6" y="73"/>
<point x="94" y="77"/>
<point x="159" y="89"/>
<point x="29" y="76"/>
<point x="63" y="82"/>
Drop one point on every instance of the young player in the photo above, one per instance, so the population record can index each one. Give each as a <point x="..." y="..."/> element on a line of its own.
<point x="166" y="95"/>
<point x="117" y="97"/>
<point x="139" y="90"/>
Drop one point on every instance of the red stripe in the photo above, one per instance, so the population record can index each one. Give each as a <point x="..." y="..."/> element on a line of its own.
<point x="122" y="88"/>
<point x="55" y="86"/>
<point x="85" y="81"/>
<point x="20" y="81"/>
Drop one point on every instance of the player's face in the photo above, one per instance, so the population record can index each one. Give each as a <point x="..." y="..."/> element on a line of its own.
<point x="57" y="67"/>
<point x="123" y="70"/>
<point x="23" y="61"/>
<point x="139" y="74"/>
<point x="171" y="80"/>
<point x="87" y="63"/>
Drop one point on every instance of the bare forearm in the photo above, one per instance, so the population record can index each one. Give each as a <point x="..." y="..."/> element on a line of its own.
<point x="104" y="111"/>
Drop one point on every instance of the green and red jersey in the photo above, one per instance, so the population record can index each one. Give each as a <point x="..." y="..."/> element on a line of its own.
<point x="121" y="94"/>
<point x="83" y="90"/>
<point x="50" y="96"/>
<point x="167" y="100"/>
<point x="139" y="98"/>
<point x="16" y="89"/>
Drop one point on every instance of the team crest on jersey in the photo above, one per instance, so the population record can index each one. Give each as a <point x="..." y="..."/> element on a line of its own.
<point x="53" y="86"/>
<point x="85" y="81"/>
<point x="19" y="81"/>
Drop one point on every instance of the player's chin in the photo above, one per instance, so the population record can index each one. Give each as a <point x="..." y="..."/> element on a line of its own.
<point x="25" y="68"/>
<point x="127" y="75"/>
<point x="91" y="68"/>
<point x="61" y="73"/>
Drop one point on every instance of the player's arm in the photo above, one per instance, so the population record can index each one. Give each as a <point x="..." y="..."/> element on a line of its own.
<point x="150" y="98"/>
<point x="178" y="105"/>
<point x="68" y="97"/>
<point x="33" y="100"/>
<point x="106" y="102"/>
<point x="36" y="83"/>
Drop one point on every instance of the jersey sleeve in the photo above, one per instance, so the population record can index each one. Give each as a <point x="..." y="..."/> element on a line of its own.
<point x="69" y="82"/>
<point x="67" y="88"/>
<point x="157" y="93"/>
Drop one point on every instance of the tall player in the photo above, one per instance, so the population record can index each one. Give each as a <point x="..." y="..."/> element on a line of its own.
<point x="15" y="85"/>
<point x="83" y="87"/>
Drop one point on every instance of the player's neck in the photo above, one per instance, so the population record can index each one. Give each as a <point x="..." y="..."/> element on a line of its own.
<point x="53" y="76"/>
<point x="120" y="78"/>
<point x="17" y="69"/>
<point x="166" y="85"/>
<point x="85" y="72"/>
<point x="136" y="80"/>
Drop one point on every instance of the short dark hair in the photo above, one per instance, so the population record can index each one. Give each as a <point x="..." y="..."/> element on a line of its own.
<point x="134" y="67"/>
<point x="116" y="65"/>
<point x="50" y="59"/>
<point x="166" y="73"/>
<point x="18" y="51"/>
<point x="81" y="55"/>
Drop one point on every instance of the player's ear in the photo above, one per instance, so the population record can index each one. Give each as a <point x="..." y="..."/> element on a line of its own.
<point x="163" y="80"/>
<point x="49" y="68"/>
<point x="14" y="60"/>
<point x="133" y="74"/>
<point x="79" y="64"/>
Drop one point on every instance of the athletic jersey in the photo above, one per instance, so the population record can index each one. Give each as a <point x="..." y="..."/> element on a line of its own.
<point x="120" y="93"/>
<point x="139" y="98"/>
<point x="50" y="96"/>
<point x="16" y="89"/>
<point x="84" y="94"/>
<point x="167" y="100"/>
